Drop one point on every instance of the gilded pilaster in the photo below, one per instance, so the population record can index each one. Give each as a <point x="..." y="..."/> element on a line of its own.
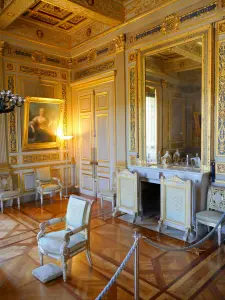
<point x="120" y="102"/>
<point x="3" y="150"/>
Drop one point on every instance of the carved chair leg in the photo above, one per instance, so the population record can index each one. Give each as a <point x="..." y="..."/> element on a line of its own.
<point x="41" y="199"/>
<point x="88" y="254"/>
<point x="64" y="268"/>
<point x="196" y="229"/>
<point x="160" y="225"/>
<point x="134" y="218"/>
<point x="101" y="203"/>
<point x="1" y="206"/>
<point x="219" y="235"/>
<point x="41" y="258"/>
<point x="60" y="195"/>
<point x="115" y="212"/>
<point x="18" y="202"/>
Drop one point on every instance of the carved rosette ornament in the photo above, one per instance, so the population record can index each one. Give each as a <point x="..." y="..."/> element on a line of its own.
<point x="120" y="42"/>
<point x="170" y="24"/>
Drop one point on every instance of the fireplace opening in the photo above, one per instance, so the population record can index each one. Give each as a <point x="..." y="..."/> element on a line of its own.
<point x="150" y="199"/>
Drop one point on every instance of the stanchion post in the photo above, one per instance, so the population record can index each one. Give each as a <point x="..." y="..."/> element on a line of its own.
<point x="137" y="236"/>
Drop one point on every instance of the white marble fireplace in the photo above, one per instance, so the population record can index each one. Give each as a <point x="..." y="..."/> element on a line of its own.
<point x="152" y="174"/>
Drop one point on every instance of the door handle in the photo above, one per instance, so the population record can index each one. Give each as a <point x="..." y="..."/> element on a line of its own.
<point x="94" y="163"/>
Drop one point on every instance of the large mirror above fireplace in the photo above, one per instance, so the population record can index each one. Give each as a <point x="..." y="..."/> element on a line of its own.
<point x="175" y="105"/>
<point x="173" y="80"/>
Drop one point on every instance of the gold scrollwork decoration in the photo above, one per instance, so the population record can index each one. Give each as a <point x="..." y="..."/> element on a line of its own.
<point x="95" y="69"/>
<point x="13" y="160"/>
<point x="120" y="42"/>
<point x="220" y="168"/>
<point x="35" y="158"/>
<point x="12" y="119"/>
<point x="171" y="23"/>
<point x="132" y="108"/>
<point x="221" y="104"/>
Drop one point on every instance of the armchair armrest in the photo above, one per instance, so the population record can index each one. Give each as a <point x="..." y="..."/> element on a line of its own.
<point x="43" y="226"/>
<point x="64" y="250"/>
<point x="74" y="231"/>
<point x="58" y="180"/>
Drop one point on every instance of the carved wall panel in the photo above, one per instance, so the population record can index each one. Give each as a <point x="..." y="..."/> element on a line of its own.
<point x="220" y="139"/>
<point x="12" y="118"/>
<point x="132" y="109"/>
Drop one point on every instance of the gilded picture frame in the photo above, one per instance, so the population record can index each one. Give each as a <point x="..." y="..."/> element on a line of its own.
<point x="41" y="121"/>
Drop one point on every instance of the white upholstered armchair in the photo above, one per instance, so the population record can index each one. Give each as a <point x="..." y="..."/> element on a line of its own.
<point x="215" y="209"/>
<point x="65" y="244"/>
<point x="47" y="184"/>
<point x="6" y="190"/>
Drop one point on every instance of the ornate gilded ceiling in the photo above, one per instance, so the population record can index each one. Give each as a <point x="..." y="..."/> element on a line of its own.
<point x="66" y="24"/>
<point x="54" y="17"/>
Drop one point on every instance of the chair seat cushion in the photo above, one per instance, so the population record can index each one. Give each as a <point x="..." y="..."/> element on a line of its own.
<point x="9" y="194"/>
<point x="108" y="193"/>
<point x="209" y="216"/>
<point x="52" y="242"/>
<point x="47" y="272"/>
<point x="49" y="187"/>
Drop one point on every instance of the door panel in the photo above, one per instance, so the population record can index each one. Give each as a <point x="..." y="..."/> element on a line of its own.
<point x="97" y="143"/>
<point x="85" y="100"/>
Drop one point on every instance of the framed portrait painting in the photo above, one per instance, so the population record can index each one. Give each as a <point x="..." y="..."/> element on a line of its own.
<point x="42" y="118"/>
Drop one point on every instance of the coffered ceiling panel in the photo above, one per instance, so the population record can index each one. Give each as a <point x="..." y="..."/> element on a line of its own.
<point x="54" y="16"/>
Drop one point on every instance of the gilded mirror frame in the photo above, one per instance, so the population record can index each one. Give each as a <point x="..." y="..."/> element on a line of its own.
<point x="207" y="102"/>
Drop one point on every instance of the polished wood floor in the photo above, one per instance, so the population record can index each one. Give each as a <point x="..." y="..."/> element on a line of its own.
<point x="163" y="275"/>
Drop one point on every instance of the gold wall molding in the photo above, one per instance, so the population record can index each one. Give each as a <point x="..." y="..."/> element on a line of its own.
<point x="220" y="128"/>
<point x="13" y="160"/>
<point x="38" y="71"/>
<point x="220" y="168"/>
<point x="12" y="119"/>
<point x="172" y="23"/>
<point x="35" y="56"/>
<point x="95" y="69"/>
<point x="10" y="67"/>
<point x="132" y="57"/>
<point x="132" y="108"/>
<point x="35" y="158"/>
<point x="94" y="54"/>
<point x="65" y="119"/>
<point x="120" y="42"/>
<point x="137" y="8"/>
<point x="91" y="56"/>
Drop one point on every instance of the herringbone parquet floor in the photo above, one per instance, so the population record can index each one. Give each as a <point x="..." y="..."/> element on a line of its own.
<point x="163" y="275"/>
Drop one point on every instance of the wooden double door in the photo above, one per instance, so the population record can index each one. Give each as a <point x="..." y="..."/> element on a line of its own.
<point x="97" y="138"/>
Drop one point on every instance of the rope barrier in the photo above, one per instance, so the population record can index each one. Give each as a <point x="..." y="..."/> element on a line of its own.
<point x="161" y="247"/>
<point x="165" y="248"/>
<point x="119" y="270"/>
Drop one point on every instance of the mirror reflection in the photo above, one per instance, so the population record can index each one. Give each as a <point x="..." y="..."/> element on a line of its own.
<point x="173" y="91"/>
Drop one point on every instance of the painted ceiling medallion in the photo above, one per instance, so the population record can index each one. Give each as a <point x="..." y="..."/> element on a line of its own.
<point x="170" y="24"/>
<point x="91" y="2"/>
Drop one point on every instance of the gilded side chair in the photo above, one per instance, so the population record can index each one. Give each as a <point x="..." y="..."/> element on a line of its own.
<point x="109" y="195"/>
<point x="46" y="184"/>
<point x="64" y="244"/>
<point x="6" y="190"/>
<point x="215" y="209"/>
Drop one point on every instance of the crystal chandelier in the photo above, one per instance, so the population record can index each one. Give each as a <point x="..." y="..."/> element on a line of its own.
<point x="8" y="101"/>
